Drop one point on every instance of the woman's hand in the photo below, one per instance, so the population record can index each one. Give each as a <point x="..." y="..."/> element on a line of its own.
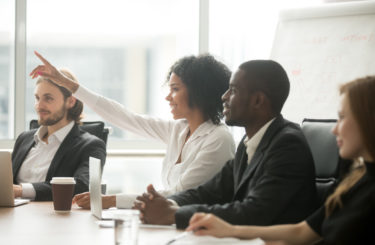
<point x="17" y="190"/>
<point x="208" y="224"/>
<point x="50" y="72"/>
<point x="83" y="200"/>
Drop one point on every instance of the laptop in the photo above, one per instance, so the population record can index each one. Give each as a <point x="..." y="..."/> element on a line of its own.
<point x="96" y="199"/>
<point x="95" y="191"/>
<point x="6" y="182"/>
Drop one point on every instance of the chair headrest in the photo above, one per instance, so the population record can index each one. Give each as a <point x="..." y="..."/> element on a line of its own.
<point x="93" y="127"/>
<point x="323" y="146"/>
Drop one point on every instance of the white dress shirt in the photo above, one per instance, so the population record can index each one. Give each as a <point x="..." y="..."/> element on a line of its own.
<point x="36" y="164"/>
<point x="252" y="143"/>
<point x="202" y="156"/>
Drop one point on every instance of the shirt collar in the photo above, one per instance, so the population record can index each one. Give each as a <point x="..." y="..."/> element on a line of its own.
<point x="205" y="128"/>
<point x="252" y="143"/>
<point x="59" y="134"/>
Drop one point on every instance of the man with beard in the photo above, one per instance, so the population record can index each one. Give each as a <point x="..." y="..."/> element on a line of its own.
<point x="58" y="148"/>
<point x="270" y="181"/>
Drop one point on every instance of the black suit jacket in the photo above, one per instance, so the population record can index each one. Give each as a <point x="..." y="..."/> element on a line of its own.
<point x="278" y="186"/>
<point x="70" y="160"/>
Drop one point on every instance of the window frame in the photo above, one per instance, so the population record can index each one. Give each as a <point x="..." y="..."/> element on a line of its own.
<point x="115" y="147"/>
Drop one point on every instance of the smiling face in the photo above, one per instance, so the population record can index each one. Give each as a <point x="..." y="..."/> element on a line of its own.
<point x="178" y="98"/>
<point x="348" y="135"/>
<point x="236" y="101"/>
<point x="50" y="104"/>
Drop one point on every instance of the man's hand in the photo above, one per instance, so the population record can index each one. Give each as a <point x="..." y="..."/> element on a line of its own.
<point x="17" y="190"/>
<point x="155" y="209"/>
<point x="83" y="200"/>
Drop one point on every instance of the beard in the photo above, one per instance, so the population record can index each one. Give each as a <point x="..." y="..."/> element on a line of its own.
<point x="230" y="118"/>
<point x="234" y="123"/>
<point x="53" y="118"/>
<point x="235" y="119"/>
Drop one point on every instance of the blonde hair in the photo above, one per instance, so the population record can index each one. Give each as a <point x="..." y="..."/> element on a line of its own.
<point x="361" y="96"/>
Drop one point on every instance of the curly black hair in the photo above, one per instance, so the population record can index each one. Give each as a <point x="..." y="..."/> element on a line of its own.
<point x="206" y="80"/>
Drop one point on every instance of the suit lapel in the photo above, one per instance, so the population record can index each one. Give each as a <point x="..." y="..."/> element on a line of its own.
<point x="66" y="146"/>
<point x="249" y="169"/>
<point x="259" y="153"/>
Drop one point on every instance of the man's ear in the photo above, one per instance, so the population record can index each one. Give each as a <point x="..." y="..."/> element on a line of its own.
<point x="71" y="101"/>
<point x="258" y="99"/>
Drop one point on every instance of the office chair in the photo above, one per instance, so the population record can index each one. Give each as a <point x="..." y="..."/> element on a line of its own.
<point x="93" y="127"/>
<point x="325" y="154"/>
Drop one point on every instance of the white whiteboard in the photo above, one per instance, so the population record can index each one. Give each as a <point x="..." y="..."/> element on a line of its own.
<point x="321" y="48"/>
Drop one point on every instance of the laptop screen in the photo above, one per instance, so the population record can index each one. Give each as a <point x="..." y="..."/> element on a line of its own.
<point x="6" y="181"/>
<point x="95" y="187"/>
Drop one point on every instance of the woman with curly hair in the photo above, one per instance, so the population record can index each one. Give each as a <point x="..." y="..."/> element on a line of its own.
<point x="198" y="144"/>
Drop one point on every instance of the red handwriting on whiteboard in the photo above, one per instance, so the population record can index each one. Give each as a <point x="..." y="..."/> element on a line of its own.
<point x="355" y="37"/>
<point x="296" y="72"/>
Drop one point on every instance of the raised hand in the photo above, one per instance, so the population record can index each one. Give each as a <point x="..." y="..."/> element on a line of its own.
<point x="47" y="70"/>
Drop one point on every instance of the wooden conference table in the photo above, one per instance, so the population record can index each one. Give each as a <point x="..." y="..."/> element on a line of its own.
<point x="37" y="223"/>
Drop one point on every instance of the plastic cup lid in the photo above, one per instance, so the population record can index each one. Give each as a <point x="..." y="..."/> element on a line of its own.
<point x="63" y="180"/>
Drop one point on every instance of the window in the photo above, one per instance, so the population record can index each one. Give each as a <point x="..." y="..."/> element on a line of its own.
<point x="7" y="27"/>
<point x="120" y="49"/>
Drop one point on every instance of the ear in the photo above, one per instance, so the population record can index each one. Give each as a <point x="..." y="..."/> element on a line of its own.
<point x="71" y="101"/>
<point x="258" y="100"/>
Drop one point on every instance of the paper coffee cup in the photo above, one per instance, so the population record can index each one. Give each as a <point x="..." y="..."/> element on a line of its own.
<point x="62" y="193"/>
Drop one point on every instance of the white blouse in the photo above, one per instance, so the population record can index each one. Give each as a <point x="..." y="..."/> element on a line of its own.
<point x="202" y="156"/>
